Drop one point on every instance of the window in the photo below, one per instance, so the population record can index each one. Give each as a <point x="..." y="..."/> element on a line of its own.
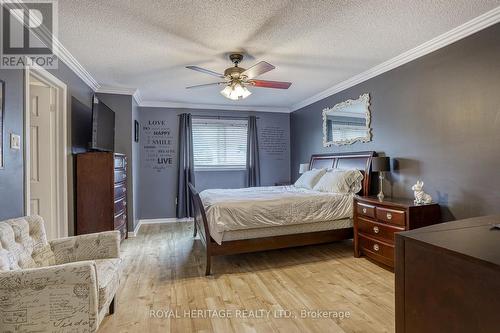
<point x="220" y="143"/>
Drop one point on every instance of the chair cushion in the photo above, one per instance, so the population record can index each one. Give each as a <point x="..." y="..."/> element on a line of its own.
<point x="23" y="244"/>
<point x="108" y="276"/>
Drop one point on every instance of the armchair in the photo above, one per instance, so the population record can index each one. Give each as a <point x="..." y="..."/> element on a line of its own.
<point x="65" y="285"/>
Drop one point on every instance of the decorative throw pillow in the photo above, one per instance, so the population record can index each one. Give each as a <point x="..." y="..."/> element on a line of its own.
<point x="340" y="181"/>
<point x="309" y="178"/>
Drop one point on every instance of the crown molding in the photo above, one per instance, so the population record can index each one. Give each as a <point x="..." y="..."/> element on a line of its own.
<point x="137" y="96"/>
<point x="65" y="56"/>
<point x="479" y="23"/>
<point x="121" y="91"/>
<point x="176" y="105"/>
<point x="116" y="90"/>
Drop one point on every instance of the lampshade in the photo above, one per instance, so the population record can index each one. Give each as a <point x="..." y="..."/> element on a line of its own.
<point x="303" y="167"/>
<point x="381" y="164"/>
<point x="235" y="91"/>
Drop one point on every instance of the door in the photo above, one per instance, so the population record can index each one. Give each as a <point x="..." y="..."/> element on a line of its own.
<point x="43" y="155"/>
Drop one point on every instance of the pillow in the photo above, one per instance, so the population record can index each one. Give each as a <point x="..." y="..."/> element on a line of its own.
<point x="309" y="178"/>
<point x="340" y="181"/>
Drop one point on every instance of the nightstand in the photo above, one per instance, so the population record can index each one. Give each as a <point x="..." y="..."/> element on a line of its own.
<point x="283" y="183"/>
<point x="376" y="222"/>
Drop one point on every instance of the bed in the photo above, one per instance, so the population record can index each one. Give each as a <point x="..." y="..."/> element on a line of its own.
<point x="266" y="218"/>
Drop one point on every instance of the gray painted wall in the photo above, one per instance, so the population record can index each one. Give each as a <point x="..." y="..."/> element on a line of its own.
<point x="438" y="117"/>
<point x="12" y="177"/>
<point x="157" y="189"/>
<point x="123" y="107"/>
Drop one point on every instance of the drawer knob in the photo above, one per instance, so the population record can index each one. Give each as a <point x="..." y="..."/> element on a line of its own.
<point x="376" y="247"/>
<point x="364" y="210"/>
<point x="375" y="229"/>
<point x="389" y="216"/>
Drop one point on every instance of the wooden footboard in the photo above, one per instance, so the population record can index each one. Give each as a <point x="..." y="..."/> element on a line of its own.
<point x="344" y="161"/>
<point x="201" y="225"/>
<point x="255" y="244"/>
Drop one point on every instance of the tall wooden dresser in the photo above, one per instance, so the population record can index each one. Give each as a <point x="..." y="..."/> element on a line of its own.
<point x="101" y="193"/>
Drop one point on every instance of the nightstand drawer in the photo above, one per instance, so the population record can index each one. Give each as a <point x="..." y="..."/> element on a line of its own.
<point x="366" y="210"/>
<point x="391" y="216"/>
<point x="377" y="230"/>
<point x="376" y="249"/>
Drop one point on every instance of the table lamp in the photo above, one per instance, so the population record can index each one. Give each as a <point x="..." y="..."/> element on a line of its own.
<point x="303" y="167"/>
<point x="381" y="165"/>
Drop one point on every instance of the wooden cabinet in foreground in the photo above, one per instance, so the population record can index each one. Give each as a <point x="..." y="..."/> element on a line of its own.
<point x="448" y="277"/>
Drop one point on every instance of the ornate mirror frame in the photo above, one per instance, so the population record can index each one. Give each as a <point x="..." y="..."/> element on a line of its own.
<point x="364" y="101"/>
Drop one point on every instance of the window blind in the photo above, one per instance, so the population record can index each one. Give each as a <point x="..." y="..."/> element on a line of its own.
<point x="220" y="143"/>
<point x="347" y="132"/>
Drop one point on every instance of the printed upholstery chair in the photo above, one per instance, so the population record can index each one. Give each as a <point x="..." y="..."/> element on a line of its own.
<point x="65" y="285"/>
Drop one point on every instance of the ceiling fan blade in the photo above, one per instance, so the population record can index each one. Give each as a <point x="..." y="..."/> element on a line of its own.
<point x="206" y="85"/>
<point x="206" y="71"/>
<point x="258" y="69"/>
<point x="271" y="84"/>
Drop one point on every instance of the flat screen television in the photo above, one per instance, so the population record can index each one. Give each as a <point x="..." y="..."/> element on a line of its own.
<point x="81" y="126"/>
<point x="103" y="127"/>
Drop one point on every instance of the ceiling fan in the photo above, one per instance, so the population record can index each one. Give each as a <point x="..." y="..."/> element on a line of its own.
<point x="237" y="79"/>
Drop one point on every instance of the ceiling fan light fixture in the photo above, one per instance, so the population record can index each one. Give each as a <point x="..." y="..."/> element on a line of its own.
<point x="235" y="92"/>
<point x="238" y="78"/>
<point x="226" y="92"/>
<point x="245" y="93"/>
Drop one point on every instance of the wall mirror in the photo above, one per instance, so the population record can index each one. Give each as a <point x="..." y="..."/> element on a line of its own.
<point x="347" y="122"/>
<point x="2" y="107"/>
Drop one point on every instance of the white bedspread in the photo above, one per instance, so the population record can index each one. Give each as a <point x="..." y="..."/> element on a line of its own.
<point x="257" y="207"/>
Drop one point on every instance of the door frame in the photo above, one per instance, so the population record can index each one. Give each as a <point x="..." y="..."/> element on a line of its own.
<point x="61" y="138"/>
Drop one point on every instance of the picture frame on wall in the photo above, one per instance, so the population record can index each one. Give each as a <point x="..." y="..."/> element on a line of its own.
<point x="136" y="131"/>
<point x="2" y="112"/>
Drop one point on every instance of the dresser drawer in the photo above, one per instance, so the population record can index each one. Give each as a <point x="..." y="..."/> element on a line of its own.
<point x="120" y="206"/>
<point x="120" y="162"/>
<point x="380" y="251"/>
<point x="120" y="175"/>
<point x="391" y="216"/>
<point x="120" y="219"/>
<point x="365" y="210"/>
<point x="120" y="190"/>
<point x="377" y="230"/>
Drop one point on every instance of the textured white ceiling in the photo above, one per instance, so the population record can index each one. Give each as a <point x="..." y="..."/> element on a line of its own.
<point x="315" y="44"/>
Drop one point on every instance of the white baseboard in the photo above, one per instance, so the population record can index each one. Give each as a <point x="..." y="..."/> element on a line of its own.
<point x="156" y="221"/>
<point x="136" y="230"/>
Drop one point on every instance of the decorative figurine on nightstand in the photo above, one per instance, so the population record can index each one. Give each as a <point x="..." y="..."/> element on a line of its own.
<point x="421" y="198"/>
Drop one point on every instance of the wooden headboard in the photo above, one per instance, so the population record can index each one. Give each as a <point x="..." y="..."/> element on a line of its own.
<point x="347" y="161"/>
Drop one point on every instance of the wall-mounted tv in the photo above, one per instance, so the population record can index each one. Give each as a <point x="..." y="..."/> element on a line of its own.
<point x="103" y="127"/>
<point x="81" y="126"/>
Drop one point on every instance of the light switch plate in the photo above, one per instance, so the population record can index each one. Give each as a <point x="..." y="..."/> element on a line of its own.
<point x="15" y="141"/>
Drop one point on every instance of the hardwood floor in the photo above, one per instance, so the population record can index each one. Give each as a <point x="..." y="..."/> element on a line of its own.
<point x="164" y="277"/>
